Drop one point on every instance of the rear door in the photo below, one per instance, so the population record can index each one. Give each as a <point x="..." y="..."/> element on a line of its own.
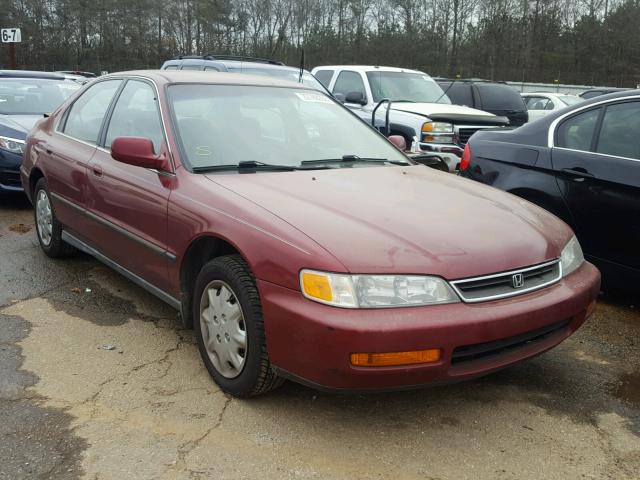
<point x="597" y="161"/>
<point x="128" y="203"/>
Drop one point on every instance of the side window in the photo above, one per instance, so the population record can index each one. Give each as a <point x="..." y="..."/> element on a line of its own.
<point x="324" y="77"/>
<point x="87" y="112"/>
<point x="191" y="67"/>
<point x="210" y="68"/>
<point x="171" y="67"/>
<point x="537" y="103"/>
<point x="620" y="131"/>
<point x="577" y="132"/>
<point x="136" y="115"/>
<point x="348" y="82"/>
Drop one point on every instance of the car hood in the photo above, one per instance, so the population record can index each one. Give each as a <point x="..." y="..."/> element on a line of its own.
<point x="429" y="109"/>
<point x="411" y="220"/>
<point x="19" y="123"/>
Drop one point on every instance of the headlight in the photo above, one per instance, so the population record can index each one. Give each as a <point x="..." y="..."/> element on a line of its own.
<point x="437" y="132"/>
<point x="375" y="291"/>
<point x="12" y="145"/>
<point x="571" y="257"/>
<point x="437" y="127"/>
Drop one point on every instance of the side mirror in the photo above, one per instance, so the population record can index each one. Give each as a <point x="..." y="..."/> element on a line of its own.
<point x="398" y="141"/>
<point x="356" y="97"/>
<point x="136" y="151"/>
<point x="340" y="97"/>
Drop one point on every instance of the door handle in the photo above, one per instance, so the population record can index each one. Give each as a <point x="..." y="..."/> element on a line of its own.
<point x="97" y="170"/>
<point x="578" y="173"/>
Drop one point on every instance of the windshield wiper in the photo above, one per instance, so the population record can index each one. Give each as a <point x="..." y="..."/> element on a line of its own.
<point x="353" y="159"/>
<point x="249" y="166"/>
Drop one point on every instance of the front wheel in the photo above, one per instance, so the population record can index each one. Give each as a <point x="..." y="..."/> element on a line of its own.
<point x="48" y="229"/>
<point x="227" y="317"/>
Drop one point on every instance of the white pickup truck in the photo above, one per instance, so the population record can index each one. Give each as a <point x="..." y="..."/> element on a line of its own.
<point x="419" y="110"/>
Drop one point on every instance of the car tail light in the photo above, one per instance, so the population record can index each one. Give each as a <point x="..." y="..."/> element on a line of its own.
<point x="466" y="158"/>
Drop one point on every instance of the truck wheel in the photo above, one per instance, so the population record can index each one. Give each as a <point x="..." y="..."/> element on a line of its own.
<point x="227" y="318"/>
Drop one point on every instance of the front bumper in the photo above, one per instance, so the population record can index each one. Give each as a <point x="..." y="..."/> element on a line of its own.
<point x="312" y="343"/>
<point x="450" y="153"/>
<point x="10" y="172"/>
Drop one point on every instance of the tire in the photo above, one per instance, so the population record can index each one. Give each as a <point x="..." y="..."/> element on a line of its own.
<point x="48" y="228"/>
<point x="224" y="286"/>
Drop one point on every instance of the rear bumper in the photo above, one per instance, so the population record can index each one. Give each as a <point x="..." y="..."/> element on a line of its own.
<point x="312" y="343"/>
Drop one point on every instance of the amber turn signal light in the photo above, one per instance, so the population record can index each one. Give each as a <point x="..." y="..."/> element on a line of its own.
<point x="394" y="359"/>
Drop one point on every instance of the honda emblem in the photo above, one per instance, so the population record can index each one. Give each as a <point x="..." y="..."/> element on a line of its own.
<point x="517" y="280"/>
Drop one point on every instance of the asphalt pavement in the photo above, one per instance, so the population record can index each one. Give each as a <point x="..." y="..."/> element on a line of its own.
<point x="98" y="381"/>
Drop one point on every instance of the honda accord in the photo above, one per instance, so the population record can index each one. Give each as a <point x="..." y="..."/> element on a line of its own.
<point x="295" y="239"/>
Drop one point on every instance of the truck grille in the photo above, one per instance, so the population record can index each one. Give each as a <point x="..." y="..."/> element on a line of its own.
<point x="10" y="179"/>
<point x="481" y="351"/>
<point x="508" y="284"/>
<point x="463" y="134"/>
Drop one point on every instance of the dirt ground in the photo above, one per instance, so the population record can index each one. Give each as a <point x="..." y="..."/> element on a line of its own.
<point x="98" y="381"/>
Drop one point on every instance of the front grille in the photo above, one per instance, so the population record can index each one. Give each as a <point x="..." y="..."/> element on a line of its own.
<point x="482" y="351"/>
<point x="508" y="284"/>
<point x="10" y="179"/>
<point x="464" y="134"/>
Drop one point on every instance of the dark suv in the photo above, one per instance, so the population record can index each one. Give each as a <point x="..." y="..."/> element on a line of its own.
<point x="493" y="97"/>
<point x="239" y="64"/>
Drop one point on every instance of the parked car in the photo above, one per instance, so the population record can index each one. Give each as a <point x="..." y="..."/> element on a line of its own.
<point x="419" y="109"/>
<point x="24" y="97"/>
<point x="239" y="64"/>
<point x="596" y="92"/>
<point x="583" y="165"/>
<point x="315" y="251"/>
<point x="78" y="73"/>
<point x="540" y="104"/>
<point x="493" y="97"/>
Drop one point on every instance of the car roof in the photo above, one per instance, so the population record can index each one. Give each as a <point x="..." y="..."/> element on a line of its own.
<point x="209" y="77"/>
<point x="469" y="80"/>
<point x="30" y="74"/>
<point x="367" y="68"/>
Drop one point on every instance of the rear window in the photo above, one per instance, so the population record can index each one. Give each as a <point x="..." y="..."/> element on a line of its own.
<point x="494" y="96"/>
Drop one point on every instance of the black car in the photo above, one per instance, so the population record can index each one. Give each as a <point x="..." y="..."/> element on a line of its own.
<point x="493" y="97"/>
<point x="581" y="163"/>
<point x="596" y="92"/>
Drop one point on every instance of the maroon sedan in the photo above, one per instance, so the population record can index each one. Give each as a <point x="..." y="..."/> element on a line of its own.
<point x="298" y="242"/>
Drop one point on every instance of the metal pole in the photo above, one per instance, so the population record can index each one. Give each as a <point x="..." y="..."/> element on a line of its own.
<point x="12" y="56"/>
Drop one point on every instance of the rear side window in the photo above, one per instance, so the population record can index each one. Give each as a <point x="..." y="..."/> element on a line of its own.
<point x="136" y="115"/>
<point x="348" y="82"/>
<point x="458" y="93"/>
<point x="84" y="120"/>
<point x="191" y="67"/>
<point x="324" y="77"/>
<point x="171" y="67"/>
<point x="499" y="97"/>
<point x="620" y="131"/>
<point x="576" y="133"/>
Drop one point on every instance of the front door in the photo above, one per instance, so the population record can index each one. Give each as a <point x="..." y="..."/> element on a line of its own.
<point x="128" y="204"/>
<point x="597" y="160"/>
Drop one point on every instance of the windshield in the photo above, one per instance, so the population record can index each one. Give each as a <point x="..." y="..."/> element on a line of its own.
<point x="570" y="99"/>
<point x="412" y="87"/>
<point x="283" y="74"/>
<point x="227" y="124"/>
<point x="33" y="96"/>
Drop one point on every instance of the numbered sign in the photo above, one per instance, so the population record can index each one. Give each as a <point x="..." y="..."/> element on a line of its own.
<point x="11" y="35"/>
